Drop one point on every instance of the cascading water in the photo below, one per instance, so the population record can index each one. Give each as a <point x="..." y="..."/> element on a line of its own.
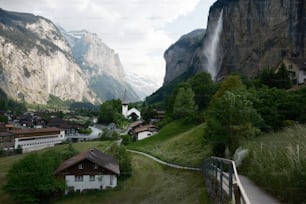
<point x="211" y="48"/>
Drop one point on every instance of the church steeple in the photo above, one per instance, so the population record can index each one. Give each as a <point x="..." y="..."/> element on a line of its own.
<point x="125" y="98"/>
<point x="125" y="104"/>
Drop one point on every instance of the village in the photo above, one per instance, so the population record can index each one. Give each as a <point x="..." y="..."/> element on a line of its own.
<point x="91" y="169"/>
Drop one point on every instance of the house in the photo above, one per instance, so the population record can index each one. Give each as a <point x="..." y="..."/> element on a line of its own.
<point x="91" y="169"/>
<point x="132" y="113"/>
<point x="296" y="68"/>
<point x="36" y="139"/>
<point x="145" y="131"/>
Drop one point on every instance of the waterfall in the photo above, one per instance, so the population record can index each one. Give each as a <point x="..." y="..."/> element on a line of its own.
<point x="211" y="48"/>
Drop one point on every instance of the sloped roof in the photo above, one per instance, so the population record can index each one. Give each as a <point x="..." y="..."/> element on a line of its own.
<point x="103" y="160"/>
<point x="300" y="62"/>
<point x="146" y="128"/>
<point x="32" y="130"/>
<point x="136" y="123"/>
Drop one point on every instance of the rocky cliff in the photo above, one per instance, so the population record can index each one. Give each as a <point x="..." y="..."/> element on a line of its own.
<point x="179" y="55"/>
<point x="246" y="36"/>
<point x="36" y="61"/>
<point x="100" y="64"/>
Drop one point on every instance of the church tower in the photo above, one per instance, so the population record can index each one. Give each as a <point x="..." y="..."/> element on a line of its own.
<point x="125" y="105"/>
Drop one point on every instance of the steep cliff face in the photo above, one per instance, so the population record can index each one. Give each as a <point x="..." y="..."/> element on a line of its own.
<point x="36" y="61"/>
<point x="257" y="34"/>
<point x="253" y="35"/>
<point x="101" y="65"/>
<point x="179" y="55"/>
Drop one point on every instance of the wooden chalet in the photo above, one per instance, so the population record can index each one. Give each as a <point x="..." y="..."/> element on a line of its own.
<point x="91" y="169"/>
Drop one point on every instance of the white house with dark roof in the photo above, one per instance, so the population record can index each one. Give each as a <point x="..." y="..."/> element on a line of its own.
<point x="145" y="131"/>
<point x="91" y="169"/>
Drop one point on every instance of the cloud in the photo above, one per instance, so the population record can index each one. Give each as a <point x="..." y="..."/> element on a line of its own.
<point x="136" y="29"/>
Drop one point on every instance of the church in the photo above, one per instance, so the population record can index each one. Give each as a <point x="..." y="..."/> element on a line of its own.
<point x="129" y="113"/>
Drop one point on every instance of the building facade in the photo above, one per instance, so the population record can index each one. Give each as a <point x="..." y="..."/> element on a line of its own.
<point x="89" y="170"/>
<point x="35" y="139"/>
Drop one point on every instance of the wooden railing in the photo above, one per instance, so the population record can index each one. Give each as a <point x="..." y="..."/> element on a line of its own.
<point x="223" y="182"/>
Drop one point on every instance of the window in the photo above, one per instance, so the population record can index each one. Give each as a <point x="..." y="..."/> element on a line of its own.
<point x="111" y="180"/>
<point x="91" y="178"/>
<point x="95" y="166"/>
<point x="78" y="178"/>
<point x="80" y="166"/>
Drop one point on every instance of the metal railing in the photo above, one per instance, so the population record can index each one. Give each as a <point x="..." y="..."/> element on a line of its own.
<point x="223" y="182"/>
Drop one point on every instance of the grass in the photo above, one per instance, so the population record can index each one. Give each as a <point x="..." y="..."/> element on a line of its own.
<point x="7" y="162"/>
<point x="176" y="143"/>
<point x="150" y="183"/>
<point x="277" y="163"/>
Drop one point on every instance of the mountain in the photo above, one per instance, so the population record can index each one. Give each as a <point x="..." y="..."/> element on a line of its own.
<point x="36" y="61"/>
<point x="100" y="64"/>
<point x="179" y="55"/>
<point x="252" y="35"/>
<point x="142" y="85"/>
<point x="242" y="36"/>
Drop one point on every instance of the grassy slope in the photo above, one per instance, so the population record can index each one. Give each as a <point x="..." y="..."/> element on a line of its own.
<point x="176" y="143"/>
<point x="7" y="162"/>
<point x="277" y="163"/>
<point x="150" y="183"/>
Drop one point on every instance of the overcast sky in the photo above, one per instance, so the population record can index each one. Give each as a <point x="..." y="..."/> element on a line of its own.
<point x="139" y="30"/>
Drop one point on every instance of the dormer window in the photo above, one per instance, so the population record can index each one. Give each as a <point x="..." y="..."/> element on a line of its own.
<point x="80" y="166"/>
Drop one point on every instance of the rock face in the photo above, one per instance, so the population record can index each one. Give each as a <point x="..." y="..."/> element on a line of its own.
<point x="179" y="55"/>
<point x="35" y="61"/>
<point x="101" y="65"/>
<point x="254" y="35"/>
<point x="258" y="34"/>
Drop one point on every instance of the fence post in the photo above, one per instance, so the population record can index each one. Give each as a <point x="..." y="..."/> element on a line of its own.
<point x="221" y="181"/>
<point x="237" y="193"/>
<point x="230" y="181"/>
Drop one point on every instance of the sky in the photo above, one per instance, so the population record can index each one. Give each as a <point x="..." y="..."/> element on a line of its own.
<point x="138" y="30"/>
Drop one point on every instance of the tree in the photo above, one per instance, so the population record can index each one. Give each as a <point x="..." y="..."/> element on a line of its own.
<point x="31" y="179"/>
<point x="231" y="83"/>
<point x="204" y="88"/>
<point x="147" y="113"/>
<point x="120" y="153"/>
<point x="283" y="79"/>
<point x="230" y="119"/>
<point x="184" y="105"/>
<point x="271" y="78"/>
<point x="110" y="111"/>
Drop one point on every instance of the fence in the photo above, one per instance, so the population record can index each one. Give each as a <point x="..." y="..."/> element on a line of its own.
<point x="223" y="182"/>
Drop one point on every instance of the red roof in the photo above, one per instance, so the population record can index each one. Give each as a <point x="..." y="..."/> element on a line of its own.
<point x="135" y="124"/>
<point x="103" y="160"/>
<point x="146" y="128"/>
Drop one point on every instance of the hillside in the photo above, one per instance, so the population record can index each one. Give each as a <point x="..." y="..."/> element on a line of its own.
<point x="277" y="163"/>
<point x="161" y="185"/>
<point x="150" y="183"/>
<point x="177" y="143"/>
